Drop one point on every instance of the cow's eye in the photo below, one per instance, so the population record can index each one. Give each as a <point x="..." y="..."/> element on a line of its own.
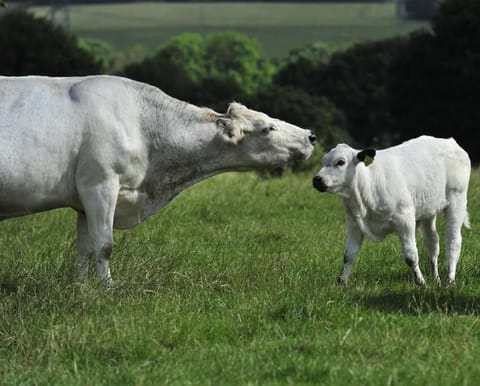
<point x="340" y="162"/>
<point x="268" y="129"/>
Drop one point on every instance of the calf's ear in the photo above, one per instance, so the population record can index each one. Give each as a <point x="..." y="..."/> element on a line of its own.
<point x="366" y="156"/>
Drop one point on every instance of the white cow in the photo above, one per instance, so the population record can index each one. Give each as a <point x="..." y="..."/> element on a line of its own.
<point x="117" y="151"/>
<point x="406" y="185"/>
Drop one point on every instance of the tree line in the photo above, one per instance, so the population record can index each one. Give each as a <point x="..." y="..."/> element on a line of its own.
<point x="375" y="93"/>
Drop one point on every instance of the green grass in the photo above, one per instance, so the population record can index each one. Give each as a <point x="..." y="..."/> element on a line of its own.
<point x="234" y="284"/>
<point x="279" y="27"/>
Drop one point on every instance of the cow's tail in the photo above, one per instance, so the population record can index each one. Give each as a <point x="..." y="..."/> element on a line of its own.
<point x="466" y="221"/>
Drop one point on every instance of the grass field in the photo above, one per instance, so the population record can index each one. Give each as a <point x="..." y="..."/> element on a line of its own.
<point x="279" y="27"/>
<point x="234" y="284"/>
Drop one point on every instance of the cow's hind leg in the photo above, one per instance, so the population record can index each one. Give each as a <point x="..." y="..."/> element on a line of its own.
<point x="455" y="216"/>
<point x="84" y="248"/>
<point x="99" y="202"/>
<point x="431" y="240"/>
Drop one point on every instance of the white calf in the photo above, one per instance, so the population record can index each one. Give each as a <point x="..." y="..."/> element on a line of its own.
<point x="406" y="185"/>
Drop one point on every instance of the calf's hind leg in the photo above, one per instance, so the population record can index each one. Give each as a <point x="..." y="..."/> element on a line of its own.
<point x="455" y="217"/>
<point x="406" y="231"/>
<point x="431" y="241"/>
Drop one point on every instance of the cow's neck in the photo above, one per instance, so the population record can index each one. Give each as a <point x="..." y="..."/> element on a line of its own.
<point x="185" y="145"/>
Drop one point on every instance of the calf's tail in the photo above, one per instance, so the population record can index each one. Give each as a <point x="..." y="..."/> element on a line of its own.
<point x="466" y="221"/>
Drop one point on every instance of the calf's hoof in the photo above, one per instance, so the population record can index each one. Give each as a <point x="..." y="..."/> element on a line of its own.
<point x="341" y="282"/>
<point x="449" y="282"/>
<point x="420" y="281"/>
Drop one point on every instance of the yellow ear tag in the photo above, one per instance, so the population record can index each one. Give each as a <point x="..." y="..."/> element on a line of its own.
<point x="367" y="160"/>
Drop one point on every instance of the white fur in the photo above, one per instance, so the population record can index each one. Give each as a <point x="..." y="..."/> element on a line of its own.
<point x="118" y="151"/>
<point x="406" y="185"/>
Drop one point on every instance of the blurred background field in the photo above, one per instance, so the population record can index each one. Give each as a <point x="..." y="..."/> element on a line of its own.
<point x="279" y="27"/>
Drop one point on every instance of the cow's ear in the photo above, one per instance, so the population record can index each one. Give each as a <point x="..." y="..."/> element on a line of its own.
<point x="366" y="156"/>
<point x="229" y="130"/>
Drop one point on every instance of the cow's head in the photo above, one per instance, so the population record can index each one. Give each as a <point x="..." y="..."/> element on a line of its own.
<point x="261" y="141"/>
<point x="339" y="166"/>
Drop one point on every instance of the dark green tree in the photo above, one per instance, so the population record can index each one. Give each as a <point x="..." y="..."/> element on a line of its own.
<point x="435" y="83"/>
<point x="211" y="70"/>
<point x="31" y="45"/>
<point x="103" y="53"/>
<point x="235" y="58"/>
<point x="177" y="67"/>
<point x="354" y="79"/>
<point x="304" y="67"/>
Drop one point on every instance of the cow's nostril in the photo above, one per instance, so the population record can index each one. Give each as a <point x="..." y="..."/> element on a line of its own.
<point x="312" y="138"/>
<point x="319" y="184"/>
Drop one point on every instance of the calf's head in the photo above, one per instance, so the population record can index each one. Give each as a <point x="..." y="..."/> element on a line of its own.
<point x="258" y="141"/>
<point x="339" y="166"/>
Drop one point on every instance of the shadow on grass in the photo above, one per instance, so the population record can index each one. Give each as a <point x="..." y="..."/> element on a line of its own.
<point x="420" y="301"/>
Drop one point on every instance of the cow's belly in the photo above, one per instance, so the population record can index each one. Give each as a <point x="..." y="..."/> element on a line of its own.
<point x="24" y="193"/>
<point x="23" y="200"/>
<point x="36" y="174"/>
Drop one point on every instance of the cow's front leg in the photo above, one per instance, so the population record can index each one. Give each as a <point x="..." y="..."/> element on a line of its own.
<point x="99" y="202"/>
<point x="406" y="232"/>
<point x="84" y="248"/>
<point x="354" y="242"/>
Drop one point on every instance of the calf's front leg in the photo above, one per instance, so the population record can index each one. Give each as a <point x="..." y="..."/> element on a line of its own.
<point x="354" y="242"/>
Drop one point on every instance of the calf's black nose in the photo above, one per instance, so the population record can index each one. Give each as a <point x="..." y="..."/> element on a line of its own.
<point x="319" y="184"/>
<point x="312" y="138"/>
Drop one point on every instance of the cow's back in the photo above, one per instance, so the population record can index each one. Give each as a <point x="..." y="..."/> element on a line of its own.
<point x="44" y="124"/>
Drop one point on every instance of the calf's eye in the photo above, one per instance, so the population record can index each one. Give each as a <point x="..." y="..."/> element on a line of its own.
<point x="340" y="162"/>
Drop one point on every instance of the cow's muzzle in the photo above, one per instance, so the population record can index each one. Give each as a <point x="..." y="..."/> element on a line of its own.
<point x="319" y="184"/>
